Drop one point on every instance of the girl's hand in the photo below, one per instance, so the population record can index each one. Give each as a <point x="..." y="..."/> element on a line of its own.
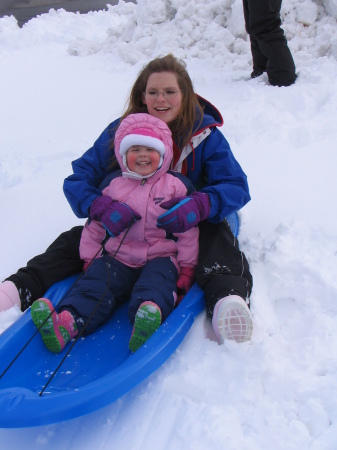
<point x="184" y="282"/>
<point x="114" y="216"/>
<point x="184" y="213"/>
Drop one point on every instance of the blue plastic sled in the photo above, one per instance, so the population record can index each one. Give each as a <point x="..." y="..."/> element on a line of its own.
<point x="99" y="369"/>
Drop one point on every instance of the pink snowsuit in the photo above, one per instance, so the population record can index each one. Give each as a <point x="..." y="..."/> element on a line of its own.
<point x="144" y="240"/>
<point x="147" y="264"/>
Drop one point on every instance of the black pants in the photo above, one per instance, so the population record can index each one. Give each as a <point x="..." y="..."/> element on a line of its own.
<point x="270" y="51"/>
<point x="222" y="268"/>
<point x="60" y="260"/>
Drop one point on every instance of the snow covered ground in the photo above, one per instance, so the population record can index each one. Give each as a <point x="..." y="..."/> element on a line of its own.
<point x="63" y="78"/>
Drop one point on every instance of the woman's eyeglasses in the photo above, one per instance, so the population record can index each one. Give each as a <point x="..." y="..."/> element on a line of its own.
<point x="153" y="94"/>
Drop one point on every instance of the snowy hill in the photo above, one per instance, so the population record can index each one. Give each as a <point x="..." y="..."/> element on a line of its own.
<point x="64" y="77"/>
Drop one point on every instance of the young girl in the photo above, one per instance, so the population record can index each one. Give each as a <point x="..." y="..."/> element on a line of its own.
<point x="145" y="265"/>
<point x="164" y="90"/>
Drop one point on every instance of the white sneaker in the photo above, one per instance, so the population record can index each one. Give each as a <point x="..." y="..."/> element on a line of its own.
<point x="232" y="319"/>
<point x="9" y="295"/>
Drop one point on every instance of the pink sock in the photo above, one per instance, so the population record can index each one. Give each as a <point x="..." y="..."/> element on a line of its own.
<point x="9" y="296"/>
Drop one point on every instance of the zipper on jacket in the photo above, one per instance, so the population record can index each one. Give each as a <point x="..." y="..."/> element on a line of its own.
<point x="144" y="180"/>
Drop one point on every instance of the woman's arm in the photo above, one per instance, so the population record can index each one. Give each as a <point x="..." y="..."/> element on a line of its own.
<point x="82" y="188"/>
<point x="221" y="183"/>
<point x="225" y="182"/>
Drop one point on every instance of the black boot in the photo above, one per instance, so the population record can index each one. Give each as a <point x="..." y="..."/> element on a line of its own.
<point x="279" y="83"/>
<point x="256" y="73"/>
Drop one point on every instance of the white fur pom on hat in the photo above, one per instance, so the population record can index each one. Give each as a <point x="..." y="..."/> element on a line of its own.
<point x="142" y="136"/>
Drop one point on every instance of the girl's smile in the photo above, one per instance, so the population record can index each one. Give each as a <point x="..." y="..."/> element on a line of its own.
<point x="142" y="160"/>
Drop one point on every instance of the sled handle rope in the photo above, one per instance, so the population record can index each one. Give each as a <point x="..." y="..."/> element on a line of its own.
<point x="90" y="317"/>
<point x="38" y="329"/>
<point x="107" y="237"/>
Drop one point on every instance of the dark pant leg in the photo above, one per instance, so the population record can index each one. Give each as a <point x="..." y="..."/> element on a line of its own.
<point x="104" y="286"/>
<point x="157" y="283"/>
<point x="259" y="59"/>
<point x="60" y="260"/>
<point x="222" y="268"/>
<point x="263" y="24"/>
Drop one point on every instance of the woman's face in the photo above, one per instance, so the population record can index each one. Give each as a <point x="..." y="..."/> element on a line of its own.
<point x="164" y="107"/>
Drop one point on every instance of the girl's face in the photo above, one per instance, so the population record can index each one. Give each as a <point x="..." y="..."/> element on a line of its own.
<point x="142" y="160"/>
<point x="163" y="96"/>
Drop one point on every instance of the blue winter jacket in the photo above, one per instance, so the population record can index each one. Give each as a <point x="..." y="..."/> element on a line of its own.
<point x="211" y="167"/>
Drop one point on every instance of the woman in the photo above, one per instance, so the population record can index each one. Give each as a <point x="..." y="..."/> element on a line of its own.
<point x="164" y="90"/>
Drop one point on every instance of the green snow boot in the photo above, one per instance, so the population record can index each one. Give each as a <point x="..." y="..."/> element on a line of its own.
<point x="56" y="329"/>
<point x="147" y="321"/>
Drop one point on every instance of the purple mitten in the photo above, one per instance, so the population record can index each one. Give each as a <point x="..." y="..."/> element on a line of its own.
<point x="114" y="216"/>
<point x="184" y="213"/>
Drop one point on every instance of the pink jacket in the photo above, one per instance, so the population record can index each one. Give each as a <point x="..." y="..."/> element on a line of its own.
<point x="144" y="240"/>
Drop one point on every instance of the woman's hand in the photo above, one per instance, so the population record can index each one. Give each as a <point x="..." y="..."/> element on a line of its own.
<point x="114" y="216"/>
<point x="184" y="213"/>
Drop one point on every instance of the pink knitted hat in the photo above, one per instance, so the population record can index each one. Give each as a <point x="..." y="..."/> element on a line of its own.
<point x="143" y="129"/>
<point x="142" y="136"/>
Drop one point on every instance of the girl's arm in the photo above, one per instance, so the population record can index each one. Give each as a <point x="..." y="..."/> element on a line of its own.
<point x="188" y="248"/>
